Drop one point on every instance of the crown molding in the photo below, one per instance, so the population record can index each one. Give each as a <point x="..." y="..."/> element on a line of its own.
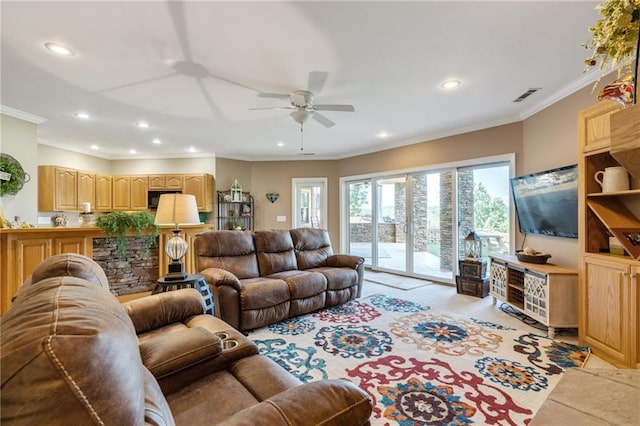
<point x="16" y="113"/>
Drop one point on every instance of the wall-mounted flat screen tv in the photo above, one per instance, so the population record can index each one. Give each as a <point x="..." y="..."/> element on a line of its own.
<point x="547" y="202"/>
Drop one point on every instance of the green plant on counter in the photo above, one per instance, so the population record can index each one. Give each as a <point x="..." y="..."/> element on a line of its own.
<point x="117" y="225"/>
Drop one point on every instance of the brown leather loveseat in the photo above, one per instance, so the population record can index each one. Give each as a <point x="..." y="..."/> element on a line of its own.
<point x="73" y="355"/>
<point x="262" y="277"/>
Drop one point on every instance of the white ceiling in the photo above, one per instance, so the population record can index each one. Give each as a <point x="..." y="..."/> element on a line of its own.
<point x="385" y="58"/>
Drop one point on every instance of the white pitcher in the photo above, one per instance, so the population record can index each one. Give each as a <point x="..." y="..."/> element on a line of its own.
<point x="613" y="179"/>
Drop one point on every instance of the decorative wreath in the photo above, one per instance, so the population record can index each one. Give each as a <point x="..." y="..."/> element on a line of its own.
<point x="12" y="175"/>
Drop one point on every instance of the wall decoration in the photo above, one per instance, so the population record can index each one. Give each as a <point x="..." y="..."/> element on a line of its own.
<point x="12" y="175"/>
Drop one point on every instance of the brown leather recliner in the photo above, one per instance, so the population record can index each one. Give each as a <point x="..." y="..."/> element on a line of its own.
<point x="264" y="277"/>
<point x="72" y="354"/>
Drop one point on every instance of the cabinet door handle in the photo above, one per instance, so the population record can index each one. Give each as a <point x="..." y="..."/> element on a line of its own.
<point x="633" y="276"/>
<point x="624" y="274"/>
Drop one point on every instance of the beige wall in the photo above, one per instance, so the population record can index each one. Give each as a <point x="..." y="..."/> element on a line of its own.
<point x="551" y="140"/>
<point x="18" y="138"/>
<point x="484" y="143"/>
<point x="52" y="156"/>
<point x="164" y="165"/>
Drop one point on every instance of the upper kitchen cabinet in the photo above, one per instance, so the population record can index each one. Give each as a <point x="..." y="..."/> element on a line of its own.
<point x="57" y="189"/>
<point x="165" y="182"/>
<point x="103" y="193"/>
<point x="139" y="188"/>
<point x="121" y="192"/>
<point x="130" y="192"/>
<point x="86" y="189"/>
<point x="202" y="186"/>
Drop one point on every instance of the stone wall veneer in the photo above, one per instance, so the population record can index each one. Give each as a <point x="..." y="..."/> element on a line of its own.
<point x="137" y="272"/>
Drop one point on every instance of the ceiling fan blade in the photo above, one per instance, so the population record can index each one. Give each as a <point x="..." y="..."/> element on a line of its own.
<point x="277" y="107"/>
<point x="176" y="10"/>
<point x="322" y="120"/>
<point x="316" y="81"/>
<point x="347" y="108"/>
<point x="273" y="95"/>
<point x="209" y="100"/>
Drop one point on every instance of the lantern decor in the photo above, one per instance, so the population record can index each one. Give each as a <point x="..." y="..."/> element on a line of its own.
<point x="236" y="192"/>
<point x="472" y="246"/>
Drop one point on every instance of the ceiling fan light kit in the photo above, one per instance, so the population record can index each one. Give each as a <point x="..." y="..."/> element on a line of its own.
<point x="302" y="104"/>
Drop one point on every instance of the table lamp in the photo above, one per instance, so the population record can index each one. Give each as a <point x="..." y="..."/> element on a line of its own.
<point x="176" y="209"/>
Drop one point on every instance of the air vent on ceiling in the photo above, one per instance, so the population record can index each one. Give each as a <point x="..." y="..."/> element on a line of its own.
<point x="526" y="94"/>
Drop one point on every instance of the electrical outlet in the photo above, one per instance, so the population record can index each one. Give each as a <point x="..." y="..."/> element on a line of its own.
<point x="281" y="218"/>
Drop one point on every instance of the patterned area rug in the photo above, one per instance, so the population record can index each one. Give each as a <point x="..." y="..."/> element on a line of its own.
<point x="420" y="366"/>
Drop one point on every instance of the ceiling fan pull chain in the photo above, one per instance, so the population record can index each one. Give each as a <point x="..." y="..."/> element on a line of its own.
<point x="301" y="136"/>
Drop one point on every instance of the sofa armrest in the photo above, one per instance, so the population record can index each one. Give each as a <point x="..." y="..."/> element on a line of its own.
<point x="157" y="310"/>
<point x="170" y="352"/>
<point x="345" y="261"/>
<point x="334" y="402"/>
<point x="218" y="277"/>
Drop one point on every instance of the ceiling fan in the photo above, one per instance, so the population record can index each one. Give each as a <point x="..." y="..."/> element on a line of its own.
<point x="302" y="103"/>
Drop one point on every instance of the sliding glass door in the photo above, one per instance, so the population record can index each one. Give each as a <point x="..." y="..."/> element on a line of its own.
<point x="415" y="223"/>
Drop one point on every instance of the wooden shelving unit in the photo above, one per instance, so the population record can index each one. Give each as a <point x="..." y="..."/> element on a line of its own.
<point x="609" y="283"/>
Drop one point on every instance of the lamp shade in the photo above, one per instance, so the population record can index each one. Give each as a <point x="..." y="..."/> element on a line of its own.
<point x="177" y="209"/>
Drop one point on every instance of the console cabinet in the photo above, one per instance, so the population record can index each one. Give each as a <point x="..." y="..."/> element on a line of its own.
<point x="608" y="286"/>
<point x="546" y="293"/>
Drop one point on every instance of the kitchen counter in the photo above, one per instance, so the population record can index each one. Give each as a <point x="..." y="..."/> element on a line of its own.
<point x="22" y="249"/>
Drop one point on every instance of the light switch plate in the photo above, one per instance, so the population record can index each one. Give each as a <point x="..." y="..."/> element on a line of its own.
<point x="281" y="218"/>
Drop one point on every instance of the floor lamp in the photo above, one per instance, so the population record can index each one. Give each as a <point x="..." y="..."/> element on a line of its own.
<point x="176" y="209"/>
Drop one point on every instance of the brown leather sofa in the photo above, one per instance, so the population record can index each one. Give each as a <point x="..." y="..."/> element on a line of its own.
<point x="264" y="277"/>
<point x="72" y="354"/>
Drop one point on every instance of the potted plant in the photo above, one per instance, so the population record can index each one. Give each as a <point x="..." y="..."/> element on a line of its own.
<point x="117" y="225"/>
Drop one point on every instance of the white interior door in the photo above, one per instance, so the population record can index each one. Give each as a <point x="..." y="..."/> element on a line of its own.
<point x="309" y="203"/>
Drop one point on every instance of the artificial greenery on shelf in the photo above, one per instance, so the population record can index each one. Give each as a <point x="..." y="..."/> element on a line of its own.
<point x="117" y="225"/>
<point x="615" y="37"/>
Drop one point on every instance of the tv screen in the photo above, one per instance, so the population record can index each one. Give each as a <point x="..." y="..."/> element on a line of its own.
<point x="547" y="202"/>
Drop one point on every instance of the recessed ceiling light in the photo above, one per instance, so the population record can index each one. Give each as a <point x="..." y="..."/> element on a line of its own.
<point x="280" y="144"/>
<point x="157" y="141"/>
<point x="83" y="115"/>
<point x="383" y="134"/>
<point x="191" y="149"/>
<point x="95" y="147"/>
<point x="132" y="151"/>
<point x="142" y="124"/>
<point x="59" y="49"/>
<point x="450" y="84"/>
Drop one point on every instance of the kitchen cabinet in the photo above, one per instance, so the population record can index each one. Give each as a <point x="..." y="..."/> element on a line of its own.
<point x="139" y="188"/>
<point x="57" y="189"/>
<point x="130" y="192"/>
<point x="103" y="193"/>
<point x="86" y="189"/>
<point x="608" y="286"/>
<point x="121" y="192"/>
<point x="547" y="293"/>
<point x="202" y="186"/>
<point x="165" y="182"/>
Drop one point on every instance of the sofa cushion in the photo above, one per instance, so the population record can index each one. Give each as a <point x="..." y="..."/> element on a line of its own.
<point x="302" y="283"/>
<point x="64" y="344"/>
<point x="233" y="251"/>
<point x="275" y="251"/>
<point x="338" y="278"/>
<point x="312" y="247"/>
<point x="258" y="293"/>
